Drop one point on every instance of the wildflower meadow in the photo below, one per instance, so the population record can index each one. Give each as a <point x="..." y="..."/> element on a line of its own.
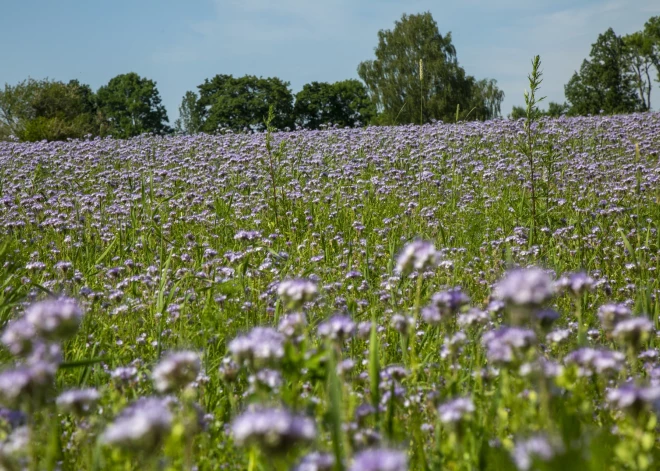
<point x="472" y="296"/>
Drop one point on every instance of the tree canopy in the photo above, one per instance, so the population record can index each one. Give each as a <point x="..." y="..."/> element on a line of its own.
<point x="242" y="103"/>
<point x="131" y="105"/>
<point x="604" y="83"/>
<point x="344" y="103"/>
<point x="34" y="110"/>
<point x="415" y="76"/>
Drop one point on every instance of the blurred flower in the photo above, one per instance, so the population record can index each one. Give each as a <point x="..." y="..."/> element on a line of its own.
<point x="338" y="328"/>
<point x="537" y="448"/>
<point x="507" y="344"/>
<point x="26" y="384"/>
<point x="316" y="461"/>
<point x="19" y="336"/>
<point x="455" y="410"/>
<point x="56" y="319"/>
<point x="634" y="399"/>
<point x="528" y="288"/>
<point x="633" y="332"/>
<point x="176" y="370"/>
<point x="592" y="361"/>
<point x="418" y="256"/>
<point x="380" y="459"/>
<point x="473" y="317"/>
<point x="260" y="346"/>
<point x="273" y="430"/>
<point x="143" y="425"/>
<point x="292" y="324"/>
<point x="576" y="283"/>
<point x="611" y="314"/>
<point x="294" y="293"/>
<point x="78" y="401"/>
<point x="14" y="448"/>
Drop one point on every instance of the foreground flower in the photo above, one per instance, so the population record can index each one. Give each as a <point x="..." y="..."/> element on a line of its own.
<point x="455" y="410"/>
<point x="380" y="459"/>
<point x="142" y="425"/>
<point x="338" y="327"/>
<point x="262" y="345"/>
<point x="273" y="430"/>
<point x="14" y="448"/>
<point x="634" y="399"/>
<point x="294" y="293"/>
<point x="56" y="319"/>
<point x="528" y="288"/>
<point x="633" y="332"/>
<point x="507" y="344"/>
<point x="575" y="283"/>
<point x="593" y="361"/>
<point x="316" y="461"/>
<point x="531" y="450"/>
<point x="176" y="371"/>
<point x="26" y="384"/>
<point x="19" y="336"/>
<point x="418" y="256"/>
<point x="611" y="314"/>
<point x="78" y="401"/>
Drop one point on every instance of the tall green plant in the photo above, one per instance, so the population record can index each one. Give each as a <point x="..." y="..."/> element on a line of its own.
<point x="529" y="143"/>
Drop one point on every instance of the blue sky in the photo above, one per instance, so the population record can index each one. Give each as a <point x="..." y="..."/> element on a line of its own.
<point x="180" y="43"/>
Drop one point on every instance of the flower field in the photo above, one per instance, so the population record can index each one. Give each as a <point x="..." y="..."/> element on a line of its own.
<point x="376" y="299"/>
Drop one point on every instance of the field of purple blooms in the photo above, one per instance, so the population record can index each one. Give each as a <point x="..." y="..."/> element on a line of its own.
<point x="377" y="299"/>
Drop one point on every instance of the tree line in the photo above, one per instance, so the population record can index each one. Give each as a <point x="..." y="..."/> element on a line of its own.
<point x="617" y="77"/>
<point x="414" y="77"/>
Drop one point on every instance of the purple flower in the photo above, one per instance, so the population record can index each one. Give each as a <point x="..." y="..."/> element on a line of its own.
<point x="611" y="314"/>
<point x="473" y="317"/>
<point x="142" y="425"/>
<point x="634" y="399"/>
<point x="26" y="383"/>
<point x="507" y="344"/>
<point x="273" y="430"/>
<point x="78" y="401"/>
<point x="380" y="459"/>
<point x="316" y="461"/>
<point x="592" y="361"/>
<point x="260" y="346"/>
<point x="576" y="283"/>
<point x="292" y="324"/>
<point x="176" y="371"/>
<point x="19" y="336"/>
<point x="537" y="448"/>
<point x="418" y="256"/>
<point x="56" y="319"/>
<point x="294" y="293"/>
<point x="455" y="410"/>
<point x="633" y="332"/>
<point x="338" y="328"/>
<point x="529" y="287"/>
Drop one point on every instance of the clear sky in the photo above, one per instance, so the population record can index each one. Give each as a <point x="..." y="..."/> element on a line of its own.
<point x="179" y="43"/>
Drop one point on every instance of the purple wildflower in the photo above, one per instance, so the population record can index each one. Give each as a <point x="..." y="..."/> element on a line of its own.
<point x="380" y="459"/>
<point x="273" y="430"/>
<point x="176" y="371"/>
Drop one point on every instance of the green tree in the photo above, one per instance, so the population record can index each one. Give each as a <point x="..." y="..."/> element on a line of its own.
<point x="652" y="34"/>
<point x="555" y="110"/>
<point x="639" y="53"/>
<point x="191" y="115"/>
<point x="131" y="105"/>
<point x="604" y="83"/>
<point x="486" y="100"/>
<point x="242" y="103"/>
<point x="344" y="103"/>
<point x="415" y="75"/>
<point x="34" y="110"/>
